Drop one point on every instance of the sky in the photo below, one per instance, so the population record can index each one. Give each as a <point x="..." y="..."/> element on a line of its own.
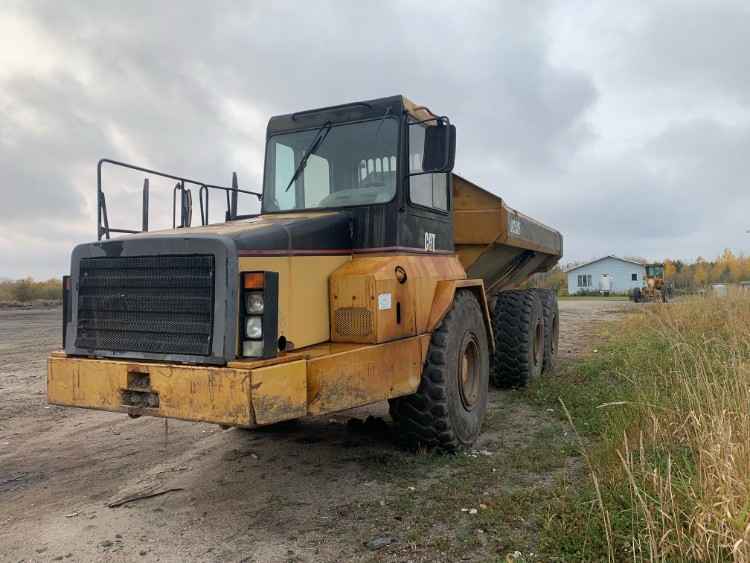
<point x="624" y="125"/>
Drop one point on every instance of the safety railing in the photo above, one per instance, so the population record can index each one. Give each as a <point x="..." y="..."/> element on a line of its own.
<point x="181" y="195"/>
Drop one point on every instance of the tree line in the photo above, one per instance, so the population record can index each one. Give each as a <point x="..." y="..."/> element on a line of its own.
<point x="727" y="268"/>
<point x="28" y="289"/>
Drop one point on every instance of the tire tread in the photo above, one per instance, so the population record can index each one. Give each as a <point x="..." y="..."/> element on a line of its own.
<point x="424" y="417"/>
<point x="512" y="315"/>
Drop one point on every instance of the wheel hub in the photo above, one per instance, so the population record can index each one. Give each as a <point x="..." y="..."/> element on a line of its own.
<point x="555" y="334"/>
<point x="538" y="343"/>
<point x="468" y="372"/>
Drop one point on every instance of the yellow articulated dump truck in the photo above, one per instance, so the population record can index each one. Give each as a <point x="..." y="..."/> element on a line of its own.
<point x="371" y="273"/>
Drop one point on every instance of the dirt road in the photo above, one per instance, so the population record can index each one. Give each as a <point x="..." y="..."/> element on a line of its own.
<point x="323" y="489"/>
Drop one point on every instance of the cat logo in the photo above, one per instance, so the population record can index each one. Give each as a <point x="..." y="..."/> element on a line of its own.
<point x="429" y="242"/>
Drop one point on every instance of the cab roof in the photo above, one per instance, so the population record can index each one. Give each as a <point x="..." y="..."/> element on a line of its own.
<point x="352" y="111"/>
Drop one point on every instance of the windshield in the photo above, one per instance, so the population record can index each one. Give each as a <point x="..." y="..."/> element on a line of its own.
<point x="352" y="164"/>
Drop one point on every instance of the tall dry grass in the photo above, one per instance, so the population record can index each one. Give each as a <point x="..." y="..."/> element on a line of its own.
<point x="681" y="462"/>
<point x="670" y="463"/>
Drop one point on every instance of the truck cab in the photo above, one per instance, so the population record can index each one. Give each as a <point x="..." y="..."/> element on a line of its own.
<point x="385" y="162"/>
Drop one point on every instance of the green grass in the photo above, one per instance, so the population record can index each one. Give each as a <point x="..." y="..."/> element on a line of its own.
<point x="661" y="413"/>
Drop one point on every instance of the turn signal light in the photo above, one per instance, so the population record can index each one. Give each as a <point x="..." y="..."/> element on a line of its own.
<point x="253" y="280"/>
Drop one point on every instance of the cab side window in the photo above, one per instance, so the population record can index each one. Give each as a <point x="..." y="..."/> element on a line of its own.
<point x="428" y="190"/>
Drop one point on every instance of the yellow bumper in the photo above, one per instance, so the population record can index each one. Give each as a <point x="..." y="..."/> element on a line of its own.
<point x="205" y="394"/>
<point x="324" y="378"/>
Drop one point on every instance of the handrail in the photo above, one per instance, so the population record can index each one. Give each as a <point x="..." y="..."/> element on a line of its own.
<point x="104" y="230"/>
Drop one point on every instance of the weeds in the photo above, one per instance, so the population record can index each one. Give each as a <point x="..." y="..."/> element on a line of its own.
<point x="663" y="413"/>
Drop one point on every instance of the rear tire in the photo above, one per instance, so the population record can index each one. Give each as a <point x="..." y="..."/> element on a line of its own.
<point x="518" y="323"/>
<point x="637" y="294"/>
<point x="448" y="408"/>
<point x="551" y="313"/>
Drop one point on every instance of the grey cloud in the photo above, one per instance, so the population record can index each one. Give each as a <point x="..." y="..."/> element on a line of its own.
<point x="35" y="159"/>
<point x="173" y="83"/>
<point x="160" y="75"/>
<point x="490" y="61"/>
<point x="682" y="194"/>
<point x="696" y="46"/>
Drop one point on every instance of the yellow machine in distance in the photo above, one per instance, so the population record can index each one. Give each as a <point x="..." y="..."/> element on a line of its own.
<point x="655" y="288"/>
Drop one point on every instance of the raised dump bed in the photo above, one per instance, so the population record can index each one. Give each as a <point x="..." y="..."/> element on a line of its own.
<point x="497" y="243"/>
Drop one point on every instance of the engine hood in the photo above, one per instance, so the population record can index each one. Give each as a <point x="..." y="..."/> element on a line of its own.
<point x="273" y="234"/>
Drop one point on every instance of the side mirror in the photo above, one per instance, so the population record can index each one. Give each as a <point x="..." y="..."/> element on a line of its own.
<point x="439" y="147"/>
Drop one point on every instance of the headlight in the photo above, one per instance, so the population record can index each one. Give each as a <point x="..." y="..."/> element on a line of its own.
<point x="254" y="303"/>
<point x="252" y="348"/>
<point x="259" y="315"/>
<point x="254" y="327"/>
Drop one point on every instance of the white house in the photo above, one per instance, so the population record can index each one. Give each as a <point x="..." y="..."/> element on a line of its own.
<point x="606" y="275"/>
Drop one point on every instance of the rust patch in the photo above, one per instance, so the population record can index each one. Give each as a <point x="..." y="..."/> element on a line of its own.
<point x="275" y="409"/>
<point x="279" y="392"/>
<point x="360" y="376"/>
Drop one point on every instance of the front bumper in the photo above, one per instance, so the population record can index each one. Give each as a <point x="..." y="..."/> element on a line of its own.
<point x="320" y="379"/>
<point x="236" y="397"/>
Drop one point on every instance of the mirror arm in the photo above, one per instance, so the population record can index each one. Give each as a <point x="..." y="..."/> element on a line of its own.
<point x="442" y="119"/>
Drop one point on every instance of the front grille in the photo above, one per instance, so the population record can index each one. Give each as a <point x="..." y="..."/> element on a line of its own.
<point x="146" y="304"/>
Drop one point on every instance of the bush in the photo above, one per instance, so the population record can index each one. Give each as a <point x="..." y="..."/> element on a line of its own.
<point x="26" y="290"/>
<point x="597" y="293"/>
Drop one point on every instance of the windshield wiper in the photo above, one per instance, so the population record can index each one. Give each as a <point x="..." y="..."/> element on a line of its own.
<point x="380" y="124"/>
<point x="319" y="138"/>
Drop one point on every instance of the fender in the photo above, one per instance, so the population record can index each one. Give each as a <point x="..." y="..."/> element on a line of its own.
<point x="443" y="300"/>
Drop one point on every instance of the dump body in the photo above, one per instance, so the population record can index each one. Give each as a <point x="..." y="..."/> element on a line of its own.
<point x="497" y="243"/>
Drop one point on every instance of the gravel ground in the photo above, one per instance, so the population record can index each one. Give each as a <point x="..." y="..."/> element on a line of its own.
<point x="316" y="490"/>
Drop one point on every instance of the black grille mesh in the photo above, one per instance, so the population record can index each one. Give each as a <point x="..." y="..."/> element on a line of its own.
<point x="147" y="304"/>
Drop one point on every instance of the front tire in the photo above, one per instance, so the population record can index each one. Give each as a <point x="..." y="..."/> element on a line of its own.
<point x="449" y="406"/>
<point x="518" y="323"/>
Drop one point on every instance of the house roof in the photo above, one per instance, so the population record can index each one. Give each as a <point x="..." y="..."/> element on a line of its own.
<point x="612" y="256"/>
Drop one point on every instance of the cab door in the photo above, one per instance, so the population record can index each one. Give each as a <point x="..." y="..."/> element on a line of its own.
<point x="428" y="226"/>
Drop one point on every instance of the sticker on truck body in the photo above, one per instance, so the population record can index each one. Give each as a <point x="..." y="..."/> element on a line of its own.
<point x="384" y="301"/>
<point x="514" y="225"/>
